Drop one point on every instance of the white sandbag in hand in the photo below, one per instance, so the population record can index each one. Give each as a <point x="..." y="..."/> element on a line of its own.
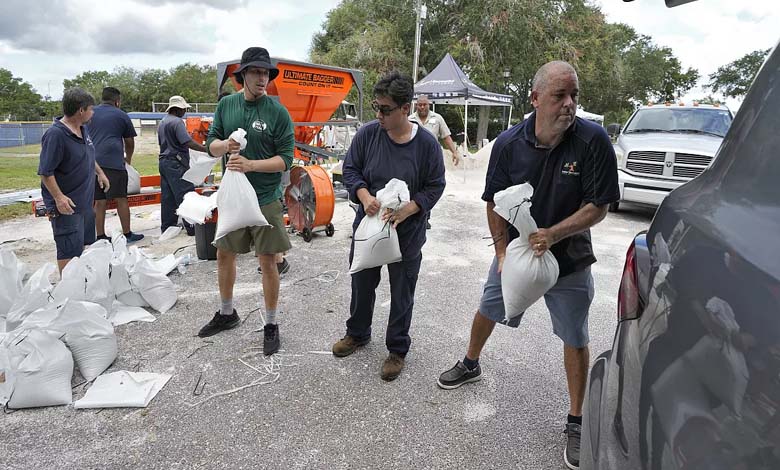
<point x="376" y="241"/>
<point x="42" y="368"/>
<point x="525" y="277"/>
<point x="237" y="205"/>
<point x="201" y="164"/>
<point x="133" y="180"/>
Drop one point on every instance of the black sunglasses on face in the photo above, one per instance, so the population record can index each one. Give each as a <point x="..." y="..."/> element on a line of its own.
<point x="385" y="110"/>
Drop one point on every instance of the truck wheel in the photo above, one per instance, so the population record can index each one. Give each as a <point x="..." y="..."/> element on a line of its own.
<point x="614" y="206"/>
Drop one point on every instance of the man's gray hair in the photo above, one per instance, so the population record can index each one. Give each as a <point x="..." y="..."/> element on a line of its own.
<point x="543" y="74"/>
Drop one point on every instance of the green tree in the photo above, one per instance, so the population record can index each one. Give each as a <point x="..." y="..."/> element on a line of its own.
<point x="734" y="78"/>
<point x="18" y="99"/>
<point x="91" y="81"/>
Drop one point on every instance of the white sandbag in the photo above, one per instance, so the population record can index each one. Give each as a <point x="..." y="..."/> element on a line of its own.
<point x="196" y="208"/>
<point x="122" y="314"/>
<point x="237" y="205"/>
<point x="10" y="280"/>
<point x="133" y="180"/>
<point x="239" y="136"/>
<point x="153" y="285"/>
<point x="7" y="375"/>
<point x="123" y="389"/>
<point x="73" y="284"/>
<point x="35" y="294"/>
<point x="376" y="241"/>
<point x="525" y="277"/>
<point x="201" y="164"/>
<point x="42" y="368"/>
<point x="122" y="262"/>
<point x="83" y="327"/>
<point x="97" y="258"/>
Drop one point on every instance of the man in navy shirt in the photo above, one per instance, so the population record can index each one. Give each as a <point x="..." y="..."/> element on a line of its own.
<point x="113" y="135"/>
<point x="175" y="144"/>
<point x="391" y="147"/>
<point x="67" y="168"/>
<point x="572" y="167"/>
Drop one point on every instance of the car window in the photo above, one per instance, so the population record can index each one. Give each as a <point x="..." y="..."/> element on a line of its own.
<point x="709" y="121"/>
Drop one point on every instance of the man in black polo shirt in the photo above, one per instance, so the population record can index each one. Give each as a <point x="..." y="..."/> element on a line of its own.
<point x="571" y="165"/>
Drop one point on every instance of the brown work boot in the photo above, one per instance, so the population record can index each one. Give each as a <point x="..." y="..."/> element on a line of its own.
<point x="347" y="345"/>
<point x="392" y="367"/>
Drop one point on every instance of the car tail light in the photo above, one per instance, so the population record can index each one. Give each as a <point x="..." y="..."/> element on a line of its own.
<point x="628" y="295"/>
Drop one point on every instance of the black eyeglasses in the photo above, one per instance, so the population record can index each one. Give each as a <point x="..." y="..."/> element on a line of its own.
<point x="385" y="110"/>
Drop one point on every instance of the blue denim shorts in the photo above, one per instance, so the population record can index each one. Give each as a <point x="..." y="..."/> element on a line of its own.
<point x="72" y="232"/>
<point x="568" y="302"/>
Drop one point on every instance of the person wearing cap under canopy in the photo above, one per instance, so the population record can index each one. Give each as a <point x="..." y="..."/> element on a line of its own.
<point x="268" y="153"/>
<point x="175" y="144"/>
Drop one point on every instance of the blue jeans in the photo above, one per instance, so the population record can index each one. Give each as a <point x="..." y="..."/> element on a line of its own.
<point x="172" y="188"/>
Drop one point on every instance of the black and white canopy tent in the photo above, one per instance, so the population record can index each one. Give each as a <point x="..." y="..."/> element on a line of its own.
<point x="447" y="84"/>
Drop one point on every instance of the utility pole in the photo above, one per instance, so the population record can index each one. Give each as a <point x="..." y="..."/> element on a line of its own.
<point x="422" y="13"/>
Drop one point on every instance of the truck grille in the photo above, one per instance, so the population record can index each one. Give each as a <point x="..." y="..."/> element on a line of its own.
<point x="669" y="165"/>
<point x="687" y="172"/>
<point x="646" y="168"/>
<point x="647" y="156"/>
<point x="691" y="159"/>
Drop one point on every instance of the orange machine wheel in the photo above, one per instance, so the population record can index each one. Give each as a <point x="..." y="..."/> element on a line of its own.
<point x="310" y="200"/>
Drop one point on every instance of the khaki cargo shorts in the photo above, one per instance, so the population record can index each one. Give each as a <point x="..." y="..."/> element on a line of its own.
<point x="266" y="240"/>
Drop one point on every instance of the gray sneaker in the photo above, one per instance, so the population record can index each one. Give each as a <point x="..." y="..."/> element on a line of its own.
<point x="571" y="456"/>
<point x="459" y="375"/>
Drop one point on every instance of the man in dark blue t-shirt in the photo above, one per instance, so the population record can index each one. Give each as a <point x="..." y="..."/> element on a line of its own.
<point x="572" y="167"/>
<point x="67" y="168"/>
<point x="113" y="135"/>
<point x="391" y="147"/>
<point x="175" y="143"/>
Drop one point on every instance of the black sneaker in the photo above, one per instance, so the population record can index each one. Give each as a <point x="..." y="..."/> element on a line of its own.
<point x="103" y="237"/>
<point x="133" y="237"/>
<point x="219" y="323"/>
<point x="571" y="456"/>
<point x="282" y="267"/>
<point x="270" y="339"/>
<point x="427" y="225"/>
<point x="459" y="375"/>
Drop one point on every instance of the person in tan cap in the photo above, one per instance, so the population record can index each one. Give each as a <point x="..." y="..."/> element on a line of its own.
<point x="175" y="144"/>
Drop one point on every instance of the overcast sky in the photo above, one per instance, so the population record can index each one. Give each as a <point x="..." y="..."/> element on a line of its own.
<point x="46" y="41"/>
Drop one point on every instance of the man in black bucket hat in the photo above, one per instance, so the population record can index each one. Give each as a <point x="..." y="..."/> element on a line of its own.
<point x="268" y="154"/>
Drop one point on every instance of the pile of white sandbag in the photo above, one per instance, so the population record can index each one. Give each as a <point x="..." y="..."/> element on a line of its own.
<point x="45" y="328"/>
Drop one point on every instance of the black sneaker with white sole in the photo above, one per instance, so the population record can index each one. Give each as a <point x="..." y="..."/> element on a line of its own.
<point x="459" y="375"/>
<point x="571" y="456"/>
<point x="220" y="323"/>
<point x="270" y="339"/>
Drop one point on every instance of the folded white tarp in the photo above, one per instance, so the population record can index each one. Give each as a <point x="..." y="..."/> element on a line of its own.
<point x="41" y="368"/>
<point x="123" y="389"/>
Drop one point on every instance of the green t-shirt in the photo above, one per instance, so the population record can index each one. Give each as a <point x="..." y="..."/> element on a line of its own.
<point x="269" y="132"/>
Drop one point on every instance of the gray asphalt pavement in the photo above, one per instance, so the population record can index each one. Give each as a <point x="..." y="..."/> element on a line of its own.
<point x="322" y="412"/>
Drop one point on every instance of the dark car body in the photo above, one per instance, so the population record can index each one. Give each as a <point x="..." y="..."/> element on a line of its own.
<point x="693" y="378"/>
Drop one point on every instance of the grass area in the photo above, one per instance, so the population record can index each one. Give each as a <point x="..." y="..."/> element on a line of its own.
<point x="12" y="211"/>
<point x="24" y="150"/>
<point x="18" y="173"/>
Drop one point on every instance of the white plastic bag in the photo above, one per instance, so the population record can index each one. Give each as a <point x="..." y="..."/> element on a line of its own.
<point x="237" y="205"/>
<point x="10" y="280"/>
<point x="376" y="241"/>
<point x="525" y="277"/>
<point x="133" y="180"/>
<point x="123" y="389"/>
<point x="83" y="327"/>
<point x="201" y="164"/>
<point x="35" y="294"/>
<point x="42" y="367"/>
<point x="196" y="208"/>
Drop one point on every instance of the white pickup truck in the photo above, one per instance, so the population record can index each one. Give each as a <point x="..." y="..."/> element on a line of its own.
<point x="663" y="146"/>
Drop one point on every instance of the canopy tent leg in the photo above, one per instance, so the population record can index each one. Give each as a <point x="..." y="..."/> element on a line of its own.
<point x="465" y="137"/>
<point x="509" y="121"/>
